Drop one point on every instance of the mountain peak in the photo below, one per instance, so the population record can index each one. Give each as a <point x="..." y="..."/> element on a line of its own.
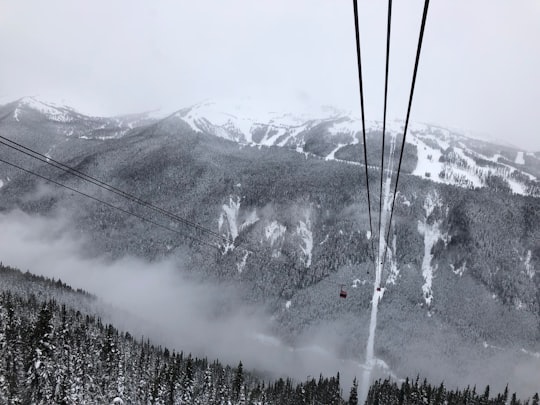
<point x="50" y="110"/>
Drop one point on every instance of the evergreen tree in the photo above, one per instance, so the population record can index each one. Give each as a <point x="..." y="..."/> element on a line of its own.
<point x="208" y="392"/>
<point x="39" y="381"/>
<point x="353" y="396"/>
<point x="238" y="381"/>
<point x="187" y="383"/>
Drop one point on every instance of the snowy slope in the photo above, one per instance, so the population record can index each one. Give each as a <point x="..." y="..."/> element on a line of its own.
<point x="443" y="155"/>
<point x="36" y="113"/>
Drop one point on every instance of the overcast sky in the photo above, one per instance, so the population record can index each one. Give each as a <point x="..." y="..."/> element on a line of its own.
<point x="478" y="71"/>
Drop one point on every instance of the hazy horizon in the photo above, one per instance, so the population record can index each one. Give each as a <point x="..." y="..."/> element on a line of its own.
<point x="477" y="69"/>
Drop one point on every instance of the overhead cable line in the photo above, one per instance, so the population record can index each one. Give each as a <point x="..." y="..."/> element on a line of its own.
<point x="388" y="28"/>
<point x="418" y="50"/>
<point x="110" y="205"/>
<point x="361" y="86"/>
<point x="70" y="170"/>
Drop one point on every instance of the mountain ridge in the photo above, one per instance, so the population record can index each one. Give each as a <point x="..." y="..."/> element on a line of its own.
<point x="455" y="286"/>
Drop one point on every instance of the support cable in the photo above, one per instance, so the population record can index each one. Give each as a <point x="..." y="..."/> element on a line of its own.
<point x="70" y="170"/>
<point x="388" y="29"/>
<point x="418" y="50"/>
<point x="361" y="86"/>
<point x="110" y="205"/>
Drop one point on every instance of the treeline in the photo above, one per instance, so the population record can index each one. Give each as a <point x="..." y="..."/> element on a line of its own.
<point x="53" y="354"/>
<point x="410" y="393"/>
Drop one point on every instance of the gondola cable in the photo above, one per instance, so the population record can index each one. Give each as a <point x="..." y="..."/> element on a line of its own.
<point x="70" y="170"/>
<point x="110" y="205"/>
<point x="361" y="88"/>
<point x="418" y="50"/>
<point x="388" y="30"/>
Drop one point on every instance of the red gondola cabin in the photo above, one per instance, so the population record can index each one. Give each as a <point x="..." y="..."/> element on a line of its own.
<point x="342" y="293"/>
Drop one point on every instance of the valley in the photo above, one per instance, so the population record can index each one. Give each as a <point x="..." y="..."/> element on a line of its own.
<point x="288" y="195"/>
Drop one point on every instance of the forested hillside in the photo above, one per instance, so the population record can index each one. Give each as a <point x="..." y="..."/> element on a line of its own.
<point x="55" y="353"/>
<point x="390" y="393"/>
<point x="460" y="286"/>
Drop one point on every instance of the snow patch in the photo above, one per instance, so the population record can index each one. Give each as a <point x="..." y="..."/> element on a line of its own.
<point x="405" y="202"/>
<point x="50" y="110"/>
<point x="251" y="219"/>
<point x="519" y="159"/>
<point x="304" y="231"/>
<point x="529" y="268"/>
<point x="432" y="234"/>
<point x="288" y="304"/>
<point x="394" y="272"/>
<point x="349" y="127"/>
<point x="532" y="354"/>
<point x="231" y="212"/>
<point x="241" y="266"/>
<point x="358" y="282"/>
<point x="377" y="290"/>
<point x="331" y="155"/>
<point x="489" y="346"/>
<point x="220" y="221"/>
<point x="460" y="270"/>
<point x="274" y="231"/>
<point x="519" y="304"/>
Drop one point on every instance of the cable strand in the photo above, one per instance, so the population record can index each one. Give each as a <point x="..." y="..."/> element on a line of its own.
<point x="388" y="30"/>
<point x="30" y="152"/>
<point x="361" y="88"/>
<point x="108" y="204"/>
<point x="416" y="63"/>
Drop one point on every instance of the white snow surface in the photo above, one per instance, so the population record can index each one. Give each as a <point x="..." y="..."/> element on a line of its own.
<point x="251" y="219"/>
<point x="358" y="282"/>
<point x="460" y="270"/>
<point x="241" y="266"/>
<point x="52" y="111"/>
<point x="331" y="155"/>
<point x="432" y="234"/>
<point x="274" y="231"/>
<point x="304" y="231"/>
<point x="231" y="212"/>
<point x="378" y="291"/>
<point x="392" y="263"/>
<point x="239" y="121"/>
<point x="529" y="267"/>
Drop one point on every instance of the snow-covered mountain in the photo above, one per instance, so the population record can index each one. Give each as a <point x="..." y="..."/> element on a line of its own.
<point x="289" y="190"/>
<point x="68" y="121"/>
<point x="442" y="155"/>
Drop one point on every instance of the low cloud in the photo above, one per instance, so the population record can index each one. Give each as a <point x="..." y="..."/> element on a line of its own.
<point x="169" y="306"/>
<point x="175" y="309"/>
